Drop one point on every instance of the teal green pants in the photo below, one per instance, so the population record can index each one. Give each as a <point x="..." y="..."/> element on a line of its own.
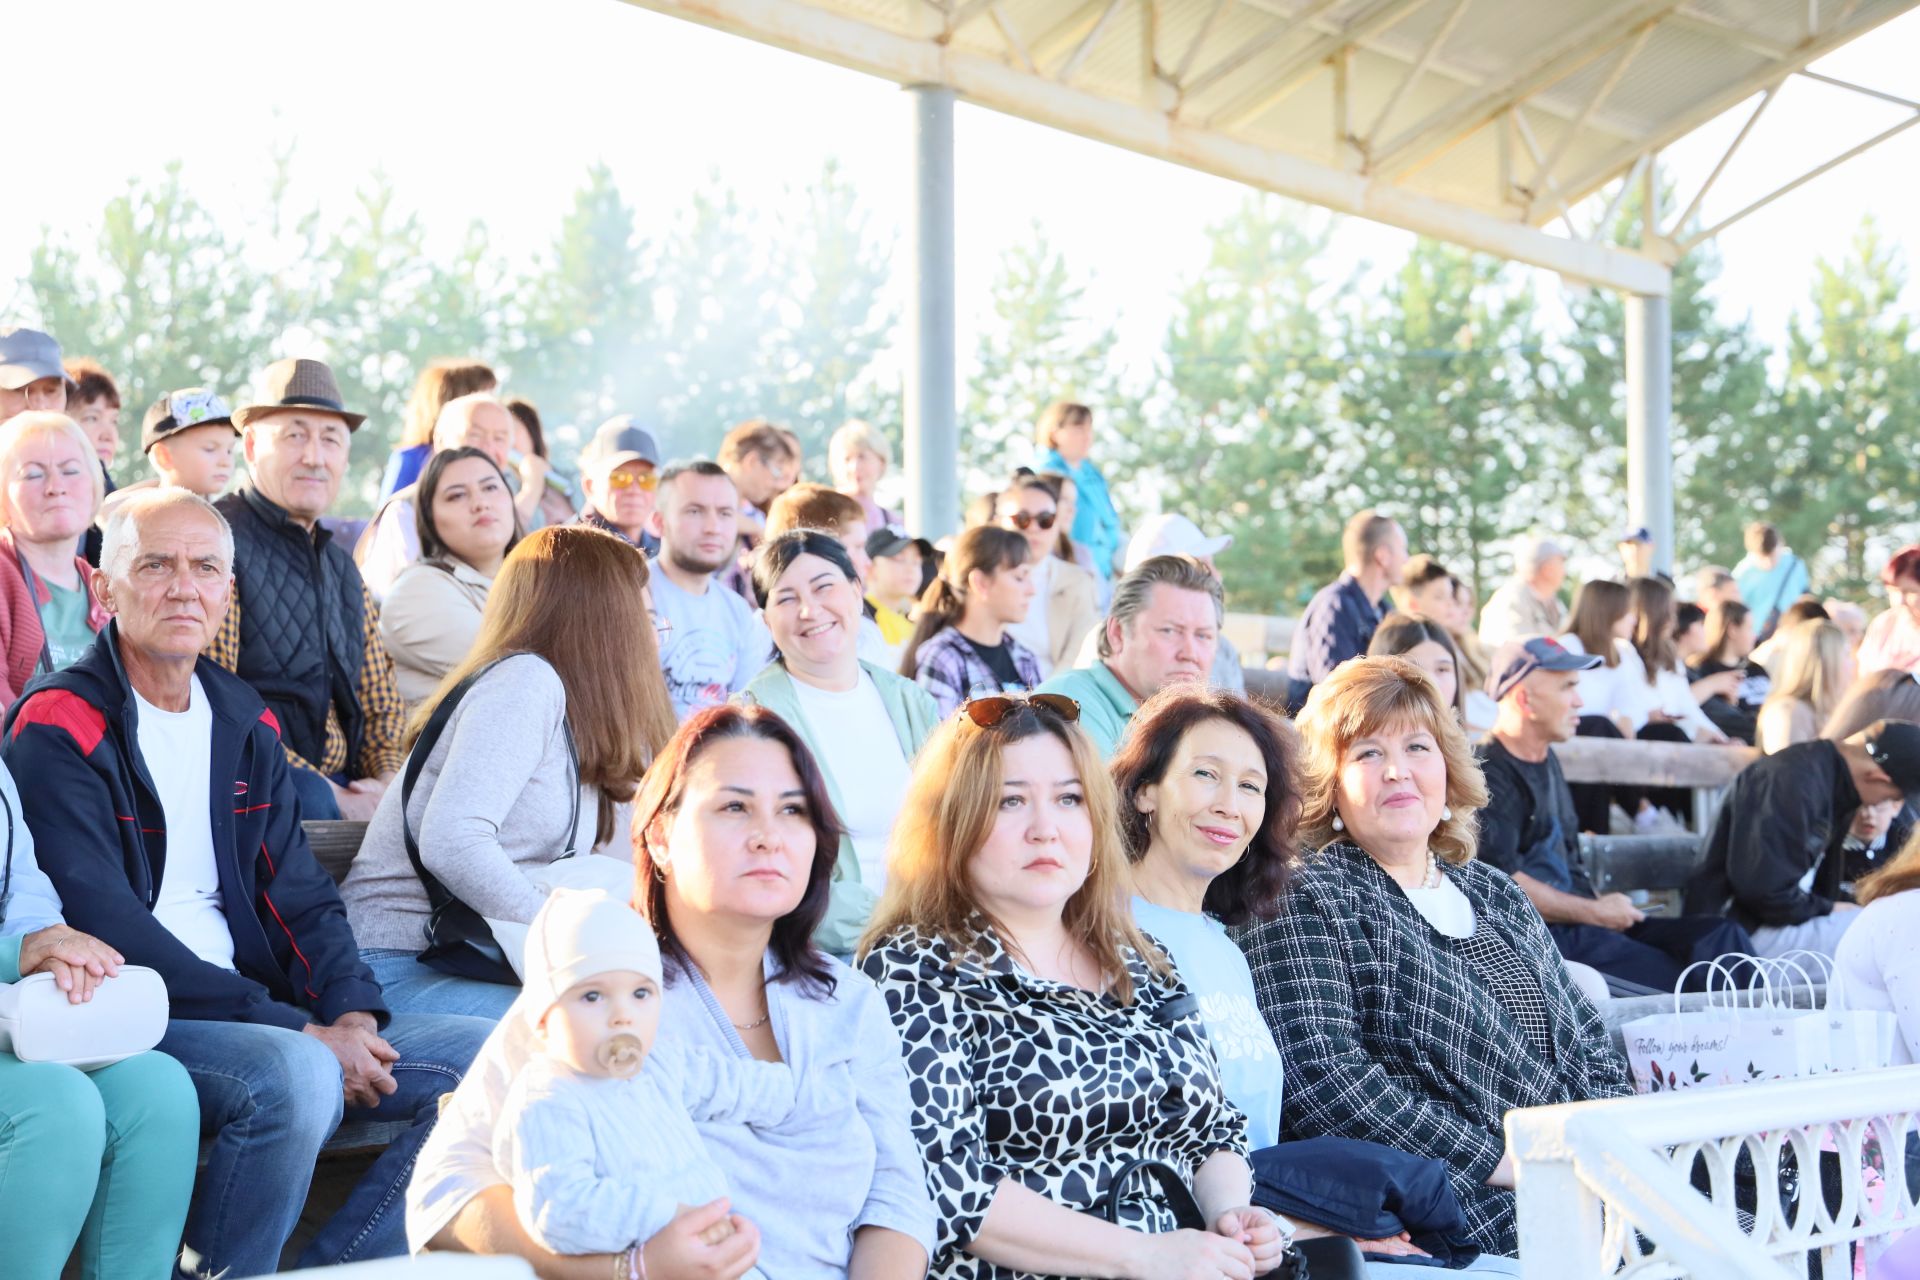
<point x="104" y="1158"/>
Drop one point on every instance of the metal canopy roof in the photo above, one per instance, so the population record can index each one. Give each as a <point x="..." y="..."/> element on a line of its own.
<point x="1476" y="121"/>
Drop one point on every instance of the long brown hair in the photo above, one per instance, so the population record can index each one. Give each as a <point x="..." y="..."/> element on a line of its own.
<point x="577" y="597"/>
<point x="1651" y="600"/>
<point x="1597" y="605"/>
<point x="1901" y="873"/>
<point x="1058" y="481"/>
<point x="1399" y="632"/>
<point x="1368" y="696"/>
<point x="1721" y="620"/>
<point x="442" y="380"/>
<point x="660" y="797"/>
<point x="990" y="550"/>
<point x="1251" y="888"/>
<point x="950" y="810"/>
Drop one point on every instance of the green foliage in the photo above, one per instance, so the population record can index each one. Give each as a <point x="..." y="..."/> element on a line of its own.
<point x="1039" y="346"/>
<point x="1437" y="385"/>
<point x="1846" y="454"/>
<point x="1242" y="434"/>
<point x="1281" y="400"/>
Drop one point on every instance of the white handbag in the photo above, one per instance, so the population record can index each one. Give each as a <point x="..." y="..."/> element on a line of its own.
<point x="127" y="1015"/>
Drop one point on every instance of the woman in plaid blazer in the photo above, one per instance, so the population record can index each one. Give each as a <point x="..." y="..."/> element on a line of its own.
<point x="1415" y="994"/>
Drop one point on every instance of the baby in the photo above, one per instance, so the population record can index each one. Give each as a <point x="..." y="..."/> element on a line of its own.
<point x="601" y="1153"/>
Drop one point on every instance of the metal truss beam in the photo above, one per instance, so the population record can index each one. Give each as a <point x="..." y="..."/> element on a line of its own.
<point x="990" y="82"/>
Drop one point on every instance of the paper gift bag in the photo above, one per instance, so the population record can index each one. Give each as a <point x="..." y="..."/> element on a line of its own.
<point x="1728" y="1042"/>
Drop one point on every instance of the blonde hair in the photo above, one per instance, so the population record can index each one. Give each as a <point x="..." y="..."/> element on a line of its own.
<point x="1374" y="695"/>
<point x="1901" y="873"/>
<point x="950" y="809"/>
<point x="23" y="429"/>
<point x="1813" y="665"/>
<point x="863" y="436"/>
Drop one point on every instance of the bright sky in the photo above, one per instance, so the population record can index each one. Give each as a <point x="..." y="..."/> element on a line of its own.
<point x="494" y="108"/>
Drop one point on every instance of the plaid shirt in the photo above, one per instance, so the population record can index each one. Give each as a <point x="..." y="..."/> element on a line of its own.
<point x="952" y="670"/>
<point x="1388" y="1036"/>
<point x="380" y="702"/>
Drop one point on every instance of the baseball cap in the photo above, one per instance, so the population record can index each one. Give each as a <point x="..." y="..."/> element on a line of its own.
<point x="1638" y="534"/>
<point x="1172" y="534"/>
<point x="26" y="356"/>
<point x="179" y="410"/>
<point x="1518" y="659"/>
<point x="887" y="542"/>
<point x="620" y="439"/>
<point x="1894" y="745"/>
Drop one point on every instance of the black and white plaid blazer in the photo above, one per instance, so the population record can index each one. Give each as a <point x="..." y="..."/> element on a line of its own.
<point x="1389" y="1036"/>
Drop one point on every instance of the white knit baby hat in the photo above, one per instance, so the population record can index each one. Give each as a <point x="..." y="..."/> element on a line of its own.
<point x="579" y="933"/>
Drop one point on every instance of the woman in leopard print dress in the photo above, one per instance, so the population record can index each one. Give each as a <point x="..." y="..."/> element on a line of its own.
<point x="1049" y="1043"/>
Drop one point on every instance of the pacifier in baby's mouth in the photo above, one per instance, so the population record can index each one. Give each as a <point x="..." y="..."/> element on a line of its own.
<point x="620" y="1056"/>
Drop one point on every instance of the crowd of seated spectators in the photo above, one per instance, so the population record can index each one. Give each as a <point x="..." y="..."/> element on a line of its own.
<point x="975" y="921"/>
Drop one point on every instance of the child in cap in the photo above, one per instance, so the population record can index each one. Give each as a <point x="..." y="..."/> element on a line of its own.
<point x="597" y="1133"/>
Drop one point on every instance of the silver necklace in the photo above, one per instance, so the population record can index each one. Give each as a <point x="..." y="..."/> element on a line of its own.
<point x="756" y="1024"/>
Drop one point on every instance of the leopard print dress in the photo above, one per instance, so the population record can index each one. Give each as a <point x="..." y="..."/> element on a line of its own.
<point x="1014" y="1076"/>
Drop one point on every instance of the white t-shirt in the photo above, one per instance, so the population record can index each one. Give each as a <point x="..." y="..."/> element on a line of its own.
<point x="177" y="747"/>
<point x="1446" y="908"/>
<point x="860" y="750"/>
<point x="1032" y="630"/>
<point x="718" y="643"/>
<point x="1878" y="963"/>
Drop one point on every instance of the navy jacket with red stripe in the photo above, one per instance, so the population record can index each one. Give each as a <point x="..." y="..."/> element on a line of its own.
<point x="99" y="832"/>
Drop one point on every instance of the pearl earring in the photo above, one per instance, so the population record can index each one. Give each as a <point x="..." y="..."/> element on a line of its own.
<point x="1338" y="825"/>
<point x="1446" y="814"/>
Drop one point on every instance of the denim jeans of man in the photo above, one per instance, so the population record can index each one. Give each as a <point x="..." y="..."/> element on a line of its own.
<point x="269" y="1099"/>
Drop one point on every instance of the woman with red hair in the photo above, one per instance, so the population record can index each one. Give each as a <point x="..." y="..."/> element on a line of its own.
<point x="1893" y="638"/>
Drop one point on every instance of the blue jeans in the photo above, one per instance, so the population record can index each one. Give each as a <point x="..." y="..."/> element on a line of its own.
<point x="316" y="796"/>
<point x="1487" y="1264"/>
<point x="269" y="1099"/>
<point x="412" y="987"/>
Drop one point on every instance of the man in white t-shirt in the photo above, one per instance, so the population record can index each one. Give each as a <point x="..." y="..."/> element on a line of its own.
<point x="711" y="640"/>
<point x="164" y="809"/>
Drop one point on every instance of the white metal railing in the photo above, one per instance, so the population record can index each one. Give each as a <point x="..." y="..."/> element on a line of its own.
<point x="1606" y="1189"/>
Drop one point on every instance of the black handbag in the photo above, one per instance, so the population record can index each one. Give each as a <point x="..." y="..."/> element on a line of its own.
<point x="459" y="940"/>
<point x="1332" y="1258"/>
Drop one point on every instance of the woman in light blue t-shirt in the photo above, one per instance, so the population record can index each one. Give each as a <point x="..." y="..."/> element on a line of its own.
<point x="1209" y="801"/>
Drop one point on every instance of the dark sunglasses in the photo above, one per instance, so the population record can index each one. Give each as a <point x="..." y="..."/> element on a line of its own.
<point x="1026" y="519"/>
<point x="990" y="711"/>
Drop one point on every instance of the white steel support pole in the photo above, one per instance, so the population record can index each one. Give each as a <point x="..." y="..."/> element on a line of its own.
<point x="1649" y="411"/>
<point x="932" y="454"/>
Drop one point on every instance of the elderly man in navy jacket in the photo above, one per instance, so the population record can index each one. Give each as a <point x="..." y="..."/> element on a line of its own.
<point x="156" y="788"/>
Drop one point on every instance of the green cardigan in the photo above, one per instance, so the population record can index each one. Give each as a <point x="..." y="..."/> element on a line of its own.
<point x="1106" y="708"/>
<point x="914" y="717"/>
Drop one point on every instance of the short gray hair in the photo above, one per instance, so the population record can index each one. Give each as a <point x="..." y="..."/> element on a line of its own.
<point x="1134" y="590"/>
<point x="121" y="537"/>
<point x="456" y="415"/>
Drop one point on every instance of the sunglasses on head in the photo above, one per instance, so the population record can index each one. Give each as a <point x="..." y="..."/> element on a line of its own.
<point x="990" y="711"/>
<point x="626" y="479"/>
<point x="1026" y="519"/>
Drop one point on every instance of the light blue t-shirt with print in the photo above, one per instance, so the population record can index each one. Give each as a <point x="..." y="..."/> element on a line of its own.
<point x="64" y="618"/>
<point x="718" y="643"/>
<point x="1216" y="972"/>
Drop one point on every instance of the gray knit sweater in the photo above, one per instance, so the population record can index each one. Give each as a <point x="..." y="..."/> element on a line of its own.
<point x="492" y="798"/>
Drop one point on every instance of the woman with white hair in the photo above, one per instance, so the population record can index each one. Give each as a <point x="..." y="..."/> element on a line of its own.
<point x="858" y="456"/>
<point x="53" y="488"/>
